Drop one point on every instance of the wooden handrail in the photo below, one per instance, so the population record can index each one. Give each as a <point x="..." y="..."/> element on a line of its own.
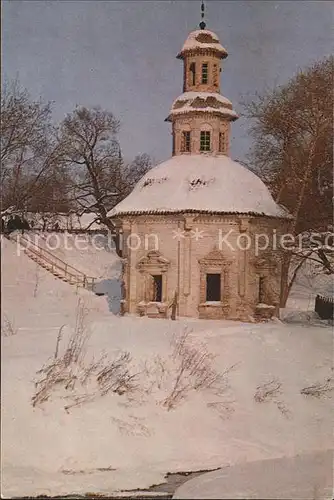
<point x="54" y="257"/>
<point x="55" y="261"/>
<point x="49" y="261"/>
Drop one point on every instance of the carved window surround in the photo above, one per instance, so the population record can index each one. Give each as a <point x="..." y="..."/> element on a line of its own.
<point x="215" y="263"/>
<point x="152" y="264"/>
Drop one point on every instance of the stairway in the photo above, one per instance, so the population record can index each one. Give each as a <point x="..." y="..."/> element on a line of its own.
<point x="52" y="263"/>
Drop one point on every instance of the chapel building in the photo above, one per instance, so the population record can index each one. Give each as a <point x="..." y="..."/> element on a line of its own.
<point x="189" y="227"/>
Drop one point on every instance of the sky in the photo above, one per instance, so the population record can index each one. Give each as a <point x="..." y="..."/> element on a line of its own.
<point x="120" y="55"/>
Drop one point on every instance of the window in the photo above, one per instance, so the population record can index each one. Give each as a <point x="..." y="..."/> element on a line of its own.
<point x="192" y="69"/>
<point x="205" y="141"/>
<point x="205" y="73"/>
<point x="222" y="142"/>
<point x="185" y="143"/>
<point x="157" y="288"/>
<point x="261" y="289"/>
<point x="213" y="288"/>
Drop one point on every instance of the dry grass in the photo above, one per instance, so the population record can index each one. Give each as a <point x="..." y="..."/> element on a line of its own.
<point x="320" y="389"/>
<point x="270" y="391"/>
<point x="83" y="379"/>
<point x="7" y="327"/>
<point x="188" y="368"/>
<point x="267" y="391"/>
<point x="116" y="376"/>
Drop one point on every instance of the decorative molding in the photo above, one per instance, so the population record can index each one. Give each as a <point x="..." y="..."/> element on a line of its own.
<point x="153" y="262"/>
<point x="215" y="258"/>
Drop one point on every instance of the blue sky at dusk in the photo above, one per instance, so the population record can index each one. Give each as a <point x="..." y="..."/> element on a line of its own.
<point x="121" y="55"/>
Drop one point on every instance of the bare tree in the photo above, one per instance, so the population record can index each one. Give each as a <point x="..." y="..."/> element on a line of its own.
<point x="134" y="171"/>
<point x="91" y="153"/>
<point x="292" y="129"/>
<point x="28" y="147"/>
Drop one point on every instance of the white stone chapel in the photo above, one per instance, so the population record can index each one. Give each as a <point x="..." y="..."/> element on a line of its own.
<point x="189" y="227"/>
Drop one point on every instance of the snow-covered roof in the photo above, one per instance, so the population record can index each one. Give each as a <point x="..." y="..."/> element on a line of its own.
<point x="202" y="39"/>
<point x="199" y="183"/>
<point x="202" y="102"/>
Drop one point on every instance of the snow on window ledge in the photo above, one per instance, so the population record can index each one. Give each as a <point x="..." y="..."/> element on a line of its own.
<point x="213" y="303"/>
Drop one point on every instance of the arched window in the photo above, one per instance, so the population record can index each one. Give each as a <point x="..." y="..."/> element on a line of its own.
<point x="192" y="69"/>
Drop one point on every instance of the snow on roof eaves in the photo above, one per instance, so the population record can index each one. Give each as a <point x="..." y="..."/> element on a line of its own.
<point x="186" y="96"/>
<point x="207" y="102"/>
<point x="187" y="109"/>
<point x="195" y="42"/>
<point x="195" y="211"/>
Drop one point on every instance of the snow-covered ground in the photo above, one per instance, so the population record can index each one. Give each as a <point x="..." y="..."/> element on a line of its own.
<point x="307" y="477"/>
<point x="125" y="441"/>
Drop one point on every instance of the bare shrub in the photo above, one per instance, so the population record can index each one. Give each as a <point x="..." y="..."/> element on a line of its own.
<point x="76" y="348"/>
<point x="283" y="408"/>
<point x="224" y="408"/>
<point x="73" y="372"/>
<point x="7" y="327"/>
<point x="116" y="376"/>
<point x="193" y="371"/>
<point x="154" y="373"/>
<point x="59" y="336"/>
<point x="319" y="389"/>
<point x="270" y="391"/>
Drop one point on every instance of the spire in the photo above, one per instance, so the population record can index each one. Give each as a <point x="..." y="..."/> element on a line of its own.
<point x="202" y="24"/>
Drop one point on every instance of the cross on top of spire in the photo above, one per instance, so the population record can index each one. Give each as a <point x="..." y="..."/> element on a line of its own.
<point x="202" y="24"/>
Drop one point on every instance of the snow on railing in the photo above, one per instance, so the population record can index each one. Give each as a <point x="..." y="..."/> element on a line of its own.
<point x="55" y="264"/>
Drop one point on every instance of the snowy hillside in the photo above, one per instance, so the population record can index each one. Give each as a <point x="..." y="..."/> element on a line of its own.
<point x="94" y="438"/>
<point x="33" y="299"/>
<point x="94" y="254"/>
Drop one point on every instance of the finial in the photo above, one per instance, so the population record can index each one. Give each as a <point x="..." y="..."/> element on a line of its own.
<point x="202" y="24"/>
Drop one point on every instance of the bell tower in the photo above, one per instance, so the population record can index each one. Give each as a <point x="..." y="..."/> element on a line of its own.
<point x="201" y="116"/>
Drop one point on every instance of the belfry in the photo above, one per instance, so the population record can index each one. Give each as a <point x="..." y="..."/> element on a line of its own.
<point x="189" y="227"/>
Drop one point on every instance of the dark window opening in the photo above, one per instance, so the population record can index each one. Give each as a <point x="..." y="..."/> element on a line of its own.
<point x="213" y="288"/>
<point x="222" y="142"/>
<point x="261" y="289"/>
<point x="192" y="68"/>
<point x="205" y="73"/>
<point x="157" y="288"/>
<point x="185" y="144"/>
<point x="205" y="141"/>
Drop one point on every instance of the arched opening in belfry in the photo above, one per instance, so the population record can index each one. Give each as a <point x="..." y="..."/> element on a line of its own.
<point x="192" y="69"/>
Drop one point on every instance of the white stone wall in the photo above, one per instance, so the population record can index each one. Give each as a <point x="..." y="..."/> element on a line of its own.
<point x="185" y="274"/>
<point x="195" y="123"/>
